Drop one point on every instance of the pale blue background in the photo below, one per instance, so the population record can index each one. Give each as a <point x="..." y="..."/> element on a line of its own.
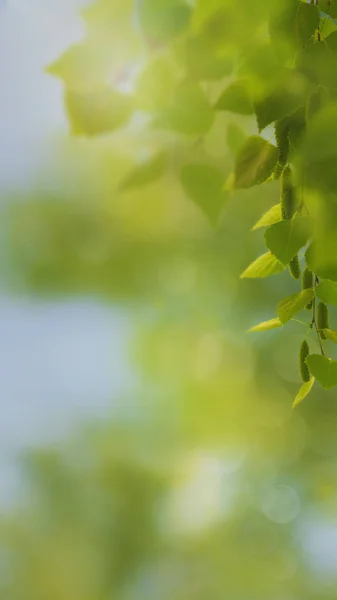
<point x="59" y="361"/>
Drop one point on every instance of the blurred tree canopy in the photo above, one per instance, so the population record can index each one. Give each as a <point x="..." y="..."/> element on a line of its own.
<point x="189" y="121"/>
<point x="196" y="104"/>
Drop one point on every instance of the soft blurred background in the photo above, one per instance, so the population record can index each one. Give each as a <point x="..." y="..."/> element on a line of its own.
<point x="148" y="447"/>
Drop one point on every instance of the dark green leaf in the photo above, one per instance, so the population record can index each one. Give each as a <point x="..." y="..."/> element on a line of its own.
<point x="287" y="97"/>
<point x="323" y="369"/>
<point x="319" y="150"/>
<point x="254" y="162"/>
<point x="286" y="238"/>
<point x="321" y="257"/>
<point x="236" y="99"/>
<point x="295" y="22"/>
<point x="318" y="62"/>
<point x="329" y="7"/>
<point x="327" y="291"/>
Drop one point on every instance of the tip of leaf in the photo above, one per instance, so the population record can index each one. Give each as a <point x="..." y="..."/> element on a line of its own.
<point x="266" y="325"/>
<point x="52" y="69"/>
<point x="303" y="392"/>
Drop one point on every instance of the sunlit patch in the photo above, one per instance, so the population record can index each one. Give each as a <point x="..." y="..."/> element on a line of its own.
<point x="204" y="493"/>
<point x="280" y="504"/>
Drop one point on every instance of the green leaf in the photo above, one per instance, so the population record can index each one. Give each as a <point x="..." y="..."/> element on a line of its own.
<point x="330" y="334"/>
<point x="156" y="84"/>
<point x="305" y="389"/>
<point x="321" y="257"/>
<point x="263" y="266"/>
<point x="162" y="20"/>
<point x="329" y="7"/>
<point x="319" y="167"/>
<point x="254" y="162"/>
<point x="273" y="215"/>
<point x="204" y="185"/>
<point x="295" y="22"/>
<point x="94" y="113"/>
<point x="318" y="62"/>
<point x="203" y="61"/>
<point x="190" y="113"/>
<point x="145" y="173"/>
<point x="286" y="238"/>
<point x="323" y="369"/>
<point x="82" y="67"/>
<point x="327" y="291"/>
<point x="290" y="306"/>
<point x="235" y="137"/>
<point x="236" y="99"/>
<point x="284" y="100"/>
<point x="266" y="325"/>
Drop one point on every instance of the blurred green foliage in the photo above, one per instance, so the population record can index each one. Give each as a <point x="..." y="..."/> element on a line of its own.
<point x="206" y="486"/>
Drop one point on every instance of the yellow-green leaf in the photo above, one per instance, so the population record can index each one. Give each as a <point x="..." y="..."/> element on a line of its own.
<point x="330" y="334"/>
<point x="97" y="112"/>
<point x="263" y="266"/>
<point x="266" y="325"/>
<point x="290" y="306"/>
<point x="273" y="215"/>
<point x="255" y="162"/>
<point x="304" y="390"/>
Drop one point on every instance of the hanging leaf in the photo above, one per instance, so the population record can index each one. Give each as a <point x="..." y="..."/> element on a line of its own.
<point x="204" y="185"/>
<point x="286" y="238"/>
<point x="190" y="113"/>
<point x="263" y="266"/>
<point x="95" y="113"/>
<point x="330" y="334"/>
<point x="287" y="96"/>
<point x="327" y="291"/>
<point x="305" y="389"/>
<point x="236" y="99"/>
<point x="295" y="23"/>
<point x="273" y="215"/>
<point x="319" y="166"/>
<point x="235" y="137"/>
<point x="323" y="369"/>
<point x="321" y="258"/>
<point x="254" y="162"/>
<point x="266" y="325"/>
<point x="329" y="7"/>
<point x="162" y="20"/>
<point x="290" y="306"/>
